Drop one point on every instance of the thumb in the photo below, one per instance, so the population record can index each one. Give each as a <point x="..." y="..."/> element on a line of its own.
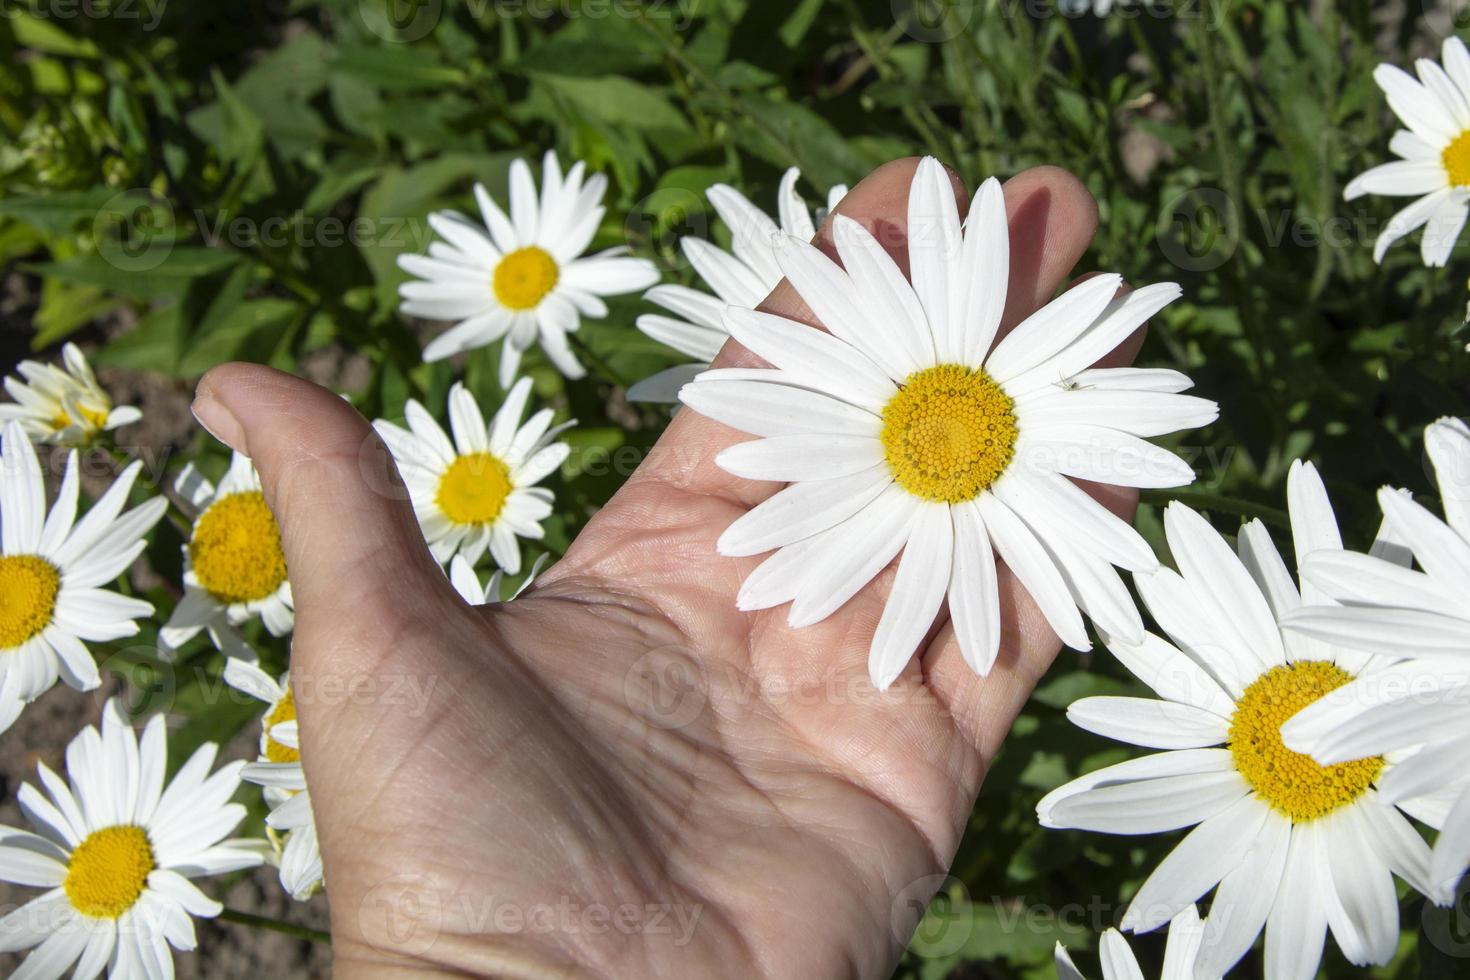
<point x="347" y="527"/>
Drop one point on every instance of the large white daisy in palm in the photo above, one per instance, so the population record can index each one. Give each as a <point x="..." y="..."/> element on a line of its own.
<point x="1434" y="151"/>
<point x="278" y="769"/>
<point x="116" y="847"/>
<point x="478" y="491"/>
<point x="521" y="277"/>
<point x="53" y="568"/>
<point x="234" y="567"/>
<point x="1119" y="963"/>
<point x="910" y="427"/>
<point x="1423" y="703"/>
<point x="63" y="404"/>
<point x="742" y="278"/>
<point x="1289" y="846"/>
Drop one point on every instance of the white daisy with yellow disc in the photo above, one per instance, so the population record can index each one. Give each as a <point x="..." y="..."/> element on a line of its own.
<point x="521" y="277"/>
<point x="278" y="769"/>
<point x="478" y="491"/>
<point x="64" y="404"/>
<point x="1433" y="151"/>
<point x="1422" y="615"/>
<point x="1288" y="846"/>
<point x="742" y="278"/>
<point x="914" y="426"/>
<point x="234" y="567"/>
<point x="53" y="569"/>
<point x="117" y="847"/>
<point x="1119" y="963"/>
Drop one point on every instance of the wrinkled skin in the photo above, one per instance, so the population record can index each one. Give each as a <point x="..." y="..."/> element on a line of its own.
<point x="492" y="784"/>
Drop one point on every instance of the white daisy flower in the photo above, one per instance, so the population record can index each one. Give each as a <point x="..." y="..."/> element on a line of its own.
<point x="462" y="576"/>
<point x="116" y="849"/>
<point x="53" y="568"/>
<point x="1119" y="963"/>
<point x="1423" y="616"/>
<point x="521" y="277"/>
<point x="478" y="491"/>
<point x="234" y="567"/>
<point x="1434" y="152"/>
<point x="1288" y="846"/>
<point x="743" y="279"/>
<point x="909" y="428"/>
<point x="279" y="771"/>
<point x="63" y="406"/>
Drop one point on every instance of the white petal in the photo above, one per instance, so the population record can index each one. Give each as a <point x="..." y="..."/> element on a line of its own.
<point x="1366" y="923"/>
<point x="1171" y="674"/>
<point x="1399" y="632"/>
<point x="1243" y="901"/>
<point x="1447" y="442"/>
<point x="1033" y="567"/>
<point x="1218" y="579"/>
<point x="1150" y="806"/>
<point x="788" y="459"/>
<point x="918" y="592"/>
<point x="1199" y="862"/>
<point x="974" y="594"/>
<point x="934" y="244"/>
<point x="1102" y="455"/>
<point x="1142" y="413"/>
<point x="985" y="271"/>
<point x="1052" y="328"/>
<point x="812" y="357"/>
<point x="801" y="510"/>
<point x="1451" y="851"/>
<point x="778" y="410"/>
<point x="869" y="542"/>
<point x="1297" y="928"/>
<point x="1149" y="723"/>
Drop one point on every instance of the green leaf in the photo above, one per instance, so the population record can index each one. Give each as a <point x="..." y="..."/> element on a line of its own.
<point x="66" y="308"/>
<point x="248" y="331"/>
<point x="169" y="277"/>
<point x="154" y="344"/>
<point x="61" y="212"/>
<point x="230" y="126"/>
<point x="397" y="67"/>
<point x="617" y="101"/>
<point x="44" y="35"/>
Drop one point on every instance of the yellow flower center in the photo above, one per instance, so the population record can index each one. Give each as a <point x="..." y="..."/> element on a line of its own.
<point x="474" y="489"/>
<point x="282" y="711"/>
<point x="524" y="277"/>
<point x="1456" y="159"/>
<point x="949" y="433"/>
<point x="28" y="588"/>
<point x="1292" y="783"/>
<point x="92" y="420"/>
<point x="236" y="549"/>
<point x="108" y="870"/>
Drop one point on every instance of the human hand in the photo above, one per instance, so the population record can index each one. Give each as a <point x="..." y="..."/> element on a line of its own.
<point x="622" y="736"/>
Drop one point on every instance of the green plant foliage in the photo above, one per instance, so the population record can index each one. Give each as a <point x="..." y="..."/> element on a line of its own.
<point x="237" y="181"/>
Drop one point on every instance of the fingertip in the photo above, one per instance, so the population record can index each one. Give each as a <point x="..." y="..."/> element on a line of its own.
<point x="1052" y="218"/>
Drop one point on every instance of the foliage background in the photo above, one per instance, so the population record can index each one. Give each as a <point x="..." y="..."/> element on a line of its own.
<point x="184" y="184"/>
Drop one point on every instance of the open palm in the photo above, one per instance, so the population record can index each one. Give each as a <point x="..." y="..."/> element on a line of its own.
<point x="619" y="774"/>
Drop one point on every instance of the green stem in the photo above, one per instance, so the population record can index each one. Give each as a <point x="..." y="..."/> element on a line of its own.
<point x="696" y="71"/>
<point x="1204" y="500"/>
<point x="275" y="925"/>
<point x="886" y="71"/>
<point x="597" y="361"/>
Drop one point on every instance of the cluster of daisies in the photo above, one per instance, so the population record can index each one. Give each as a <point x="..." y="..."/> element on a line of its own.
<point x="1304" y="723"/>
